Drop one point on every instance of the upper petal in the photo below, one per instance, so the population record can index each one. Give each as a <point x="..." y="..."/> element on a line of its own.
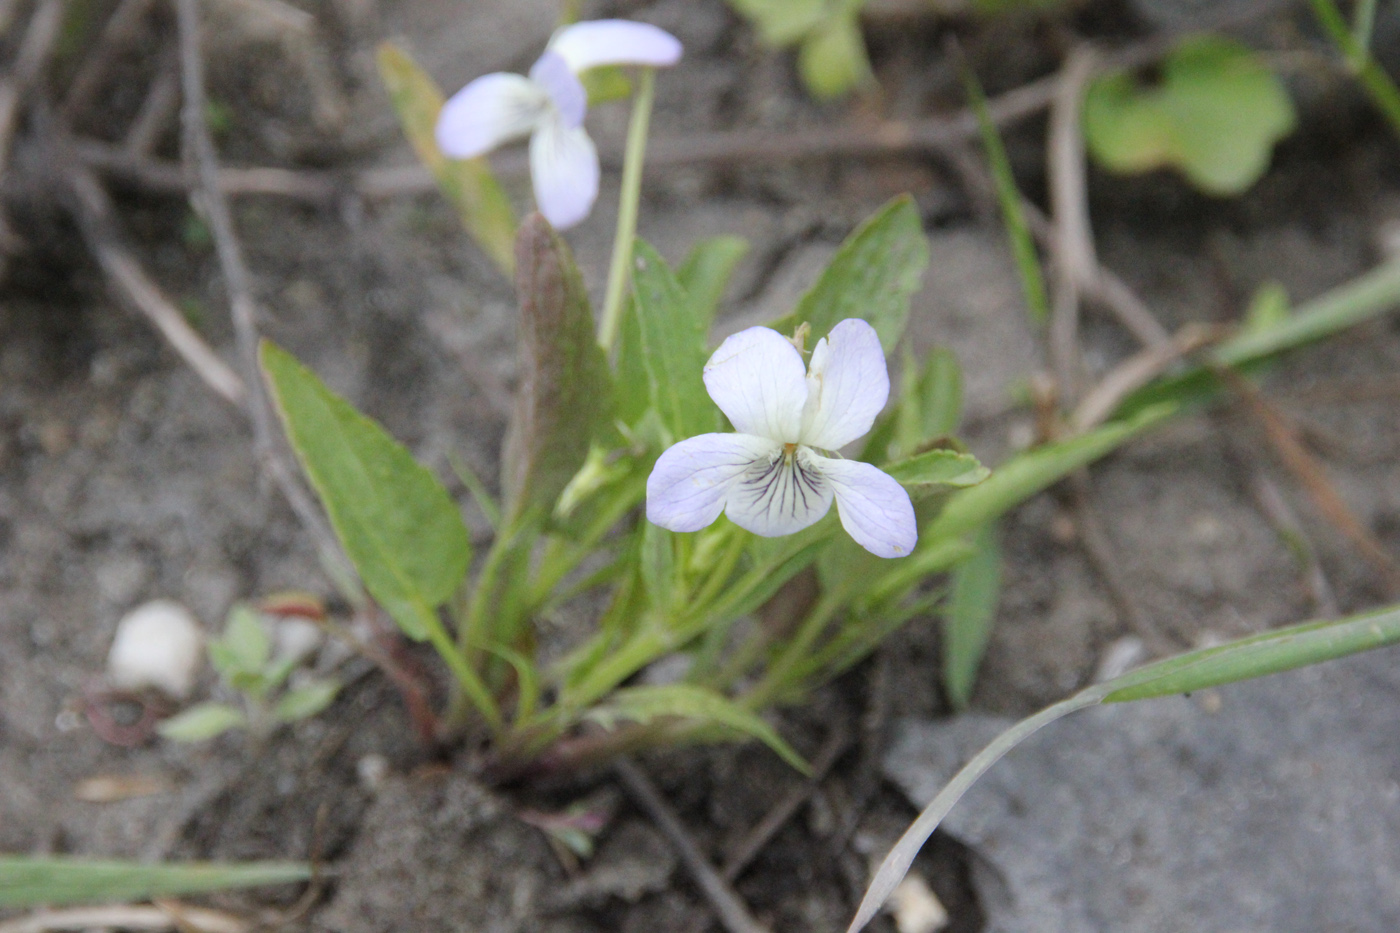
<point x="757" y="379"/>
<point x="689" y="484"/>
<point x="847" y="384"/>
<point x="615" y="42"/>
<point x="564" y="169"/>
<point x="874" y="508"/>
<point x="781" y="494"/>
<point x="553" y="74"/>
<point x="490" y="111"/>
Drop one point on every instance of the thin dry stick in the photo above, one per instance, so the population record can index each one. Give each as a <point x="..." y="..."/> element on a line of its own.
<point x="117" y="35"/>
<point x="127" y="917"/>
<point x="34" y="52"/>
<point x="732" y="912"/>
<point x="1137" y="371"/>
<point x="1305" y="468"/>
<point x="96" y="220"/>
<point x="756" y="839"/>
<point x="162" y="100"/>
<point x="169" y="177"/>
<point x="202" y="165"/>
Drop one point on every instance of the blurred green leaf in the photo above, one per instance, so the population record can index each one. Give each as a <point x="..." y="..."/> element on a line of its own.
<point x="398" y="525"/>
<point x="1216" y="116"/>
<point x="969" y="616"/>
<point x="832" y="58"/>
<point x="872" y="276"/>
<point x="940" y="394"/>
<point x="202" y="721"/>
<point x="1267" y="309"/>
<point x="697" y="704"/>
<point x="245" y="646"/>
<point x="705" y="275"/>
<point x="564" y="400"/>
<point x="659" y="566"/>
<point x="30" y="882"/>
<point x="673" y="347"/>
<point x="947" y="468"/>
<point x="305" y="700"/>
<point x="1009" y="197"/>
<point x="782" y="22"/>
<point x="605" y="83"/>
<point x="467" y="184"/>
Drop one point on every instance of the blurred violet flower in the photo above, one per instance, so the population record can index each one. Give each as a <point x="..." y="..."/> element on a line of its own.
<point x="549" y="106"/>
<point x="769" y="478"/>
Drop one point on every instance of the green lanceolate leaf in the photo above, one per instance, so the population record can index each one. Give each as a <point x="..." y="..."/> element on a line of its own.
<point x="940" y="395"/>
<point x="782" y="22"/>
<point x="673" y="347"/>
<point x="397" y="523"/>
<point x="1026" y="474"/>
<point x="697" y="704"/>
<point x="872" y="276"/>
<point x="201" y="722"/>
<point x="832" y="59"/>
<point x="1216" y="116"/>
<point x="305" y="700"/>
<point x="969" y="616"/>
<point x="948" y="469"/>
<point x="466" y="183"/>
<point x="28" y="882"/>
<point x="245" y="646"/>
<point x="705" y="275"/>
<point x="659" y="566"/>
<point x="565" y="395"/>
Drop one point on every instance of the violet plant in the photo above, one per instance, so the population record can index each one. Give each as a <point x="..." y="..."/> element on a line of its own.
<point x="621" y="493"/>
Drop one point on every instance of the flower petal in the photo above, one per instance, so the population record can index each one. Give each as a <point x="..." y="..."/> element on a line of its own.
<point x="757" y="379"/>
<point x="564" y="169"/>
<point x="489" y="112"/>
<point x="874" y="508"/>
<point x="689" y="484"/>
<point x="780" y="495"/>
<point x="615" y="42"/>
<point x="553" y="74"/>
<point x="847" y="384"/>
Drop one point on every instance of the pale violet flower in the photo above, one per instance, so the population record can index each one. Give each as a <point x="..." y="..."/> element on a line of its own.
<point x="549" y="106"/>
<point x="777" y="475"/>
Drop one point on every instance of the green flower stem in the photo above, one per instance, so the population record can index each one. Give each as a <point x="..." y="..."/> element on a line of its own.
<point x="620" y="274"/>
<point x="1363" y="23"/>
<point x="795" y="651"/>
<point x="474" y="633"/>
<point x="468" y="680"/>
<point x="720" y="575"/>
<point x="1374" y="80"/>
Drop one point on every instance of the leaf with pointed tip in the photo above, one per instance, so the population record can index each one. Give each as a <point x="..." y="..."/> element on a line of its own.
<point x="969" y="615"/>
<point x="949" y="469"/>
<point x="30" y="881"/>
<point x="565" y="395"/>
<point x="466" y="183"/>
<point x="672" y="347"/>
<point x="202" y="722"/>
<point x="397" y="523"/>
<point x="872" y="276"/>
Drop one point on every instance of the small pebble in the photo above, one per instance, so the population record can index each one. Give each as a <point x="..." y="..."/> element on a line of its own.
<point x="158" y="644"/>
<point x="1120" y="657"/>
<point x="372" y="770"/>
<point x="916" y="908"/>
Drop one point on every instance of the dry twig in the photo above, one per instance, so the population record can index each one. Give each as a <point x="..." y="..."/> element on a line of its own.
<point x="203" y="168"/>
<point x="1135" y="372"/>
<point x="756" y="839"/>
<point x="117" y="35"/>
<point x="732" y="912"/>
<point x="128" y="917"/>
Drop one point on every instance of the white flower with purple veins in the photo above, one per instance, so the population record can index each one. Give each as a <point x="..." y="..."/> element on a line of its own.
<point x="549" y="107"/>
<point x="776" y="476"/>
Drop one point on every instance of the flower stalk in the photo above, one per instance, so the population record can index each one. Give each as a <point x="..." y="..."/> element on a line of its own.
<point x="620" y="273"/>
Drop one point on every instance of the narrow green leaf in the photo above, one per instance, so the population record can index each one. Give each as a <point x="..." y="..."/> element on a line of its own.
<point x="1027" y="474"/>
<point x="947" y="468"/>
<point x="565" y="396"/>
<point x="467" y="184"/>
<point x="705" y="275"/>
<point x="673" y="347"/>
<point x="201" y="722"/>
<point x="872" y="276"/>
<point x="605" y="83"/>
<point x="970" y="614"/>
<point x="1009" y="196"/>
<point x="245" y="640"/>
<point x="399" y="526"/>
<point x="30" y="882"/>
<point x="1268" y="308"/>
<point x="305" y="700"/>
<point x="1363" y="298"/>
<point x="941" y="394"/>
<point x="659" y="566"/>
<point x="782" y="22"/>
<point x="832" y="58"/>
<point x="687" y="701"/>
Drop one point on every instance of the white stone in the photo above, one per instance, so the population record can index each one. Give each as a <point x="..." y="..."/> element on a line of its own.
<point x="916" y="908"/>
<point x="158" y="644"/>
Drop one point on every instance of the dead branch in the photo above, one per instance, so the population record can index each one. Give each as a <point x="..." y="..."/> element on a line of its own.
<point x="1137" y="371"/>
<point x="117" y="35"/>
<point x="128" y="917"/>
<point x="203" y="169"/>
<point x="731" y="910"/>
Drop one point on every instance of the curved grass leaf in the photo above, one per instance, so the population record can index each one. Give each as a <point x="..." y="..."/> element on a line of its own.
<point x="466" y="183"/>
<point x="28" y="882"/>
<point x="872" y="276"/>
<point x="969" y="616"/>
<point x="398" y="524"/>
<point x="1244" y="659"/>
<point x="935" y="468"/>
<point x="699" y="706"/>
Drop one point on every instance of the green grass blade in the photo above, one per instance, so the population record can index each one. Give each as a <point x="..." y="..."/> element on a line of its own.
<point x="971" y="612"/>
<point x="1017" y="230"/>
<point x="28" y="882"/>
